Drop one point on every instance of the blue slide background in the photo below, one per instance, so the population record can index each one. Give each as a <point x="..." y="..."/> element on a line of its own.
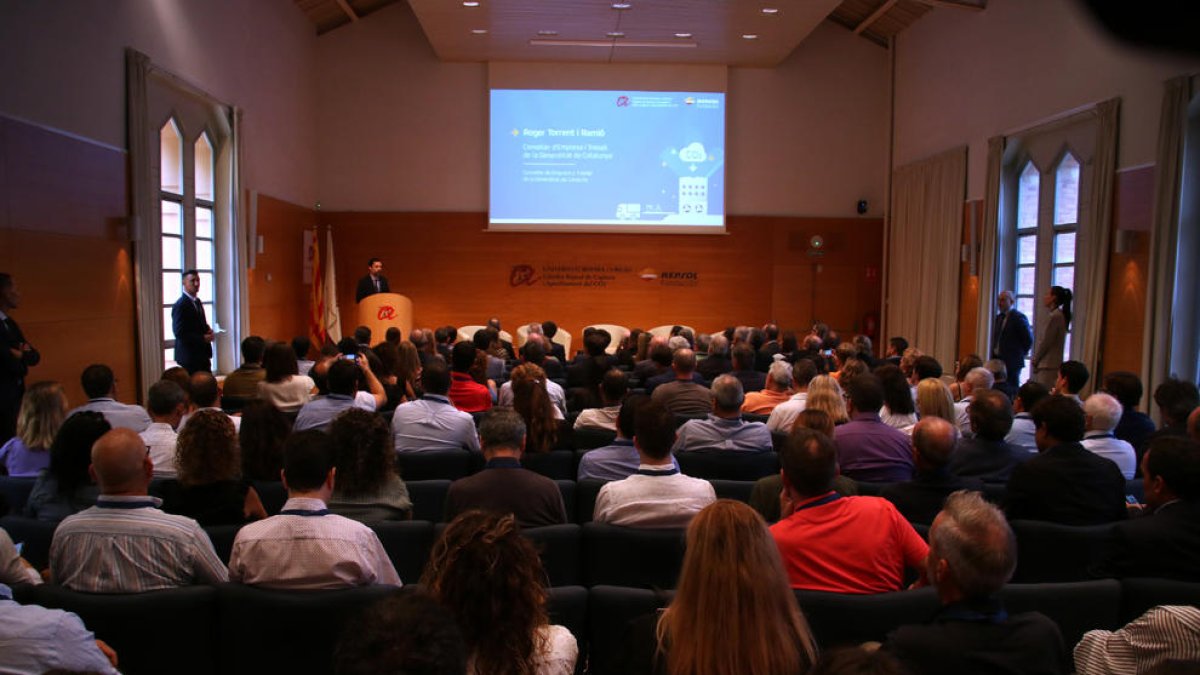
<point x="644" y="138"/>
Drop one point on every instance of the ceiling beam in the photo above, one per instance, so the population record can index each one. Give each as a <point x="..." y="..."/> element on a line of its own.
<point x="977" y="6"/>
<point x="866" y="23"/>
<point x="347" y="9"/>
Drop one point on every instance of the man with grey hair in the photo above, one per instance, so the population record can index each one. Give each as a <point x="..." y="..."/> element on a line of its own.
<point x="1101" y="414"/>
<point x="683" y="395"/>
<point x="717" y="362"/>
<point x="724" y="430"/>
<point x="919" y="500"/>
<point x="783" y="417"/>
<point x="504" y="486"/>
<point x="977" y="380"/>
<point x="972" y="554"/>
<point x="778" y="390"/>
<point x="1011" y="337"/>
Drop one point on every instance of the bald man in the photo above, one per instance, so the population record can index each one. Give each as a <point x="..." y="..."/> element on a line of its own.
<point x="125" y="544"/>
<point x="934" y="441"/>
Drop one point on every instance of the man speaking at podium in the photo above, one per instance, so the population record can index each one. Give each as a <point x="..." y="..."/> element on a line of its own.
<point x="374" y="282"/>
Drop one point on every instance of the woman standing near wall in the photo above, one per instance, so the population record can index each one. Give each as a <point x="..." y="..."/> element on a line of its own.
<point x="1048" y="354"/>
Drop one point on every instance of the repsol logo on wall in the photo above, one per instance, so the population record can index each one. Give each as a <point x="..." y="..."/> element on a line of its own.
<point x="679" y="278"/>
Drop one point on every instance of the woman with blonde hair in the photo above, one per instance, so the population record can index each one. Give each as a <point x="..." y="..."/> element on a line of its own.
<point x="825" y="394"/>
<point x="42" y="412"/>
<point x="210" y="488"/>
<point x="734" y="611"/>
<point x="491" y="579"/>
<point x="533" y="404"/>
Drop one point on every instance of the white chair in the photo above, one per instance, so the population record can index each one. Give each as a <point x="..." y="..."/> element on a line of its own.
<point x="467" y="333"/>
<point x="665" y="331"/>
<point x="617" y="333"/>
<point x="562" y="337"/>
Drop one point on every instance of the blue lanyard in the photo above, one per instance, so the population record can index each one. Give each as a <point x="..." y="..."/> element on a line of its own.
<point x="657" y="472"/>
<point x="304" y="512"/>
<point x="827" y="499"/>
<point x="126" y="505"/>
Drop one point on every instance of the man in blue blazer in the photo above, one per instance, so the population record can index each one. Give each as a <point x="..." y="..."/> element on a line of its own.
<point x="1011" y="337"/>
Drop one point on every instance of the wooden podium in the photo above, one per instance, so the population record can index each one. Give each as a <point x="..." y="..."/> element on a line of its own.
<point x="381" y="311"/>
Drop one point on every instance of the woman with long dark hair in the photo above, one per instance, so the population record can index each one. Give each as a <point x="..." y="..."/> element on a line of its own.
<point x="491" y="579"/>
<point x="533" y="404"/>
<point x="64" y="487"/>
<point x="367" y="487"/>
<point x="733" y="612"/>
<point x="284" y="387"/>
<point x="1048" y="354"/>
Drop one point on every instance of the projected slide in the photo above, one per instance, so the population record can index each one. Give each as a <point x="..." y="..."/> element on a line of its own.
<point x="607" y="158"/>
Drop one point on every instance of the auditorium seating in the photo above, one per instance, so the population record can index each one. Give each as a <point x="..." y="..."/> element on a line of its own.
<point x="272" y="494"/>
<point x="1076" y="607"/>
<point x="428" y="499"/>
<point x="617" y="333"/>
<point x="408" y="544"/>
<point x="838" y="619"/>
<point x="559" y="548"/>
<point x="589" y="438"/>
<point x="1141" y="594"/>
<point x="625" y="556"/>
<point x="1052" y="552"/>
<point x="733" y="489"/>
<point x="14" y="492"/>
<point x="222" y="537"/>
<point x="557" y="464"/>
<point x="438" y="464"/>
<point x="728" y="465"/>
<point x="34" y="534"/>
<point x="586" y="492"/>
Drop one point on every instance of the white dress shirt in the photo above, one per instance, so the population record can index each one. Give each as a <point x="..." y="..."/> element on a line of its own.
<point x="118" y="414"/>
<point x="784" y="415"/>
<point x="961" y="419"/>
<point x="1021" y="434"/>
<point x="161" y="440"/>
<point x="1106" y="445"/>
<point x="598" y="418"/>
<point x="668" y="499"/>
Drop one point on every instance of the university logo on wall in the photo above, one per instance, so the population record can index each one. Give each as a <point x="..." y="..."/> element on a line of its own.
<point x="595" y="275"/>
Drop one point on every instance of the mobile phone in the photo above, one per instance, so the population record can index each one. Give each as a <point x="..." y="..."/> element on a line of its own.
<point x="1130" y="499"/>
<point x="350" y="357"/>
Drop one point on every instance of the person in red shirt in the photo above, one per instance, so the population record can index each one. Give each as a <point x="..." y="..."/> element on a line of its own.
<point x="465" y="393"/>
<point x="834" y="543"/>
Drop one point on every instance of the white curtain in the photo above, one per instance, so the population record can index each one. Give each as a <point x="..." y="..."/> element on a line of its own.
<point x="1096" y="246"/>
<point x="924" y="253"/>
<point x="989" y="247"/>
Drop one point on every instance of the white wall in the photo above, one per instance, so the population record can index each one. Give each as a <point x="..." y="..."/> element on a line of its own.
<point x="963" y="76"/>
<point x="401" y="131"/>
<point x="64" y="68"/>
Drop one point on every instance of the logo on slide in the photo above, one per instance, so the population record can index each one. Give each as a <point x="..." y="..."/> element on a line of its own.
<point x="622" y="101"/>
<point x="522" y="275"/>
<point x="689" y="100"/>
<point x="385" y="313"/>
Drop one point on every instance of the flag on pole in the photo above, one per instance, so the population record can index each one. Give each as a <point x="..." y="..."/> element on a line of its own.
<point x="316" y="315"/>
<point x="332" y="322"/>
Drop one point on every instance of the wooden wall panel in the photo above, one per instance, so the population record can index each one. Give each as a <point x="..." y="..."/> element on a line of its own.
<point x="279" y="298"/>
<point x="968" y="296"/>
<point x="1125" y="307"/>
<point x="455" y="272"/>
<point x="63" y="238"/>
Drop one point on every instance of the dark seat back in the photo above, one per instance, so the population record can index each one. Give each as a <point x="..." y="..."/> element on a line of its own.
<point x="437" y="464"/>
<point x="569" y="492"/>
<point x="729" y="465"/>
<point x="14" y="492"/>
<point x="556" y="465"/>
<point x="586" y="492"/>
<point x="610" y="609"/>
<point x="428" y="499"/>
<point x="36" y="536"/>
<point x="273" y="631"/>
<point x="272" y="494"/>
<point x="1139" y="595"/>
<point x="171" y="630"/>
<point x="733" y="489"/>
<point x="559" y="547"/>
<point x="1049" y="552"/>
<point x="626" y="556"/>
<point x="408" y="543"/>
<point x="839" y="619"/>
<point x="1076" y="607"/>
<point x="590" y="438"/>
<point x="222" y="537"/>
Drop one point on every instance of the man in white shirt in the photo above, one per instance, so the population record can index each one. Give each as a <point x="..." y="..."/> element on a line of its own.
<point x="206" y="395"/>
<point x="306" y="547"/>
<point x="657" y="495"/>
<point x="167" y="403"/>
<point x="1021" y="434"/>
<point x="100" y="385"/>
<point x="1101" y="414"/>
<point x="613" y="388"/>
<point x="977" y="379"/>
<point x="784" y="415"/>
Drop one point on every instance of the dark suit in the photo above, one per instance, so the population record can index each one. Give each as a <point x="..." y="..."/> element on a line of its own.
<point x="1165" y="544"/>
<point x="1011" y="340"/>
<point x="920" y="499"/>
<point x="366" y="286"/>
<point x="190" y="326"/>
<point x="1069" y="485"/>
<point x="12" y="375"/>
<point x="989" y="461"/>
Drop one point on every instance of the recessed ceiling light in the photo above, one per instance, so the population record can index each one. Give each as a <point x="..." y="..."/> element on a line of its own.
<point x="547" y="33"/>
<point x="770" y="11"/>
<point x="615" y="34"/>
<point x="470" y="3"/>
<point x="479" y="31"/>
<point x="683" y="36"/>
<point x="749" y="36"/>
<point x="621" y="5"/>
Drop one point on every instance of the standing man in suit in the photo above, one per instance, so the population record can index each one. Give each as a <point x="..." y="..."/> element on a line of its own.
<point x="374" y="282"/>
<point x="1011" y="337"/>
<point x="193" y="335"/>
<point x="16" y="356"/>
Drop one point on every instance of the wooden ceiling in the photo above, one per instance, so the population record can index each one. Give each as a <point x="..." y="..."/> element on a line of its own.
<point x="731" y="32"/>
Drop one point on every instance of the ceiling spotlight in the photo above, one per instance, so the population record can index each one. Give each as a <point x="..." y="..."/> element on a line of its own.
<point x="547" y="33"/>
<point x="770" y="11"/>
<point x="621" y="5"/>
<point x="479" y="31"/>
<point x="470" y="3"/>
<point x="615" y="34"/>
<point x="749" y="36"/>
<point x="683" y="36"/>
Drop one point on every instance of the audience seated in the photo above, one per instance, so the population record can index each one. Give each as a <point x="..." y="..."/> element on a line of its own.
<point x="899" y="409"/>
<point x="465" y="393"/>
<point x="987" y="456"/>
<point x="167" y="404"/>
<point x="825" y="394"/>
<point x="125" y="544"/>
<point x="1101" y="415"/>
<point x="1000" y="380"/>
<point x="432" y="422"/>
<point x="923" y="367"/>
<point x="40" y="640"/>
<point x="972" y="554"/>
<point x="1166" y="541"/>
<point x="243" y="382"/>
<point x="717" y="361"/>
<point x="731" y="563"/>
<point x="487" y="343"/>
<point x="675" y="344"/>
<point x="764" y="496"/>
<point x="934" y="441"/>
<point x="613" y="388"/>
<point x="868" y="449"/>
<point x="300" y="347"/>
<point x="343" y="395"/>
<point x="533" y="403"/>
<point x="657" y="495"/>
<point x="306" y="547"/>
<point x="784" y="415"/>
<point x="282" y="385"/>
<point x="100" y="386"/>
<point x="491" y="579"/>
<point x="407" y="632"/>
<point x="657" y="361"/>
<point x="743" y="369"/>
<point x="367" y="489"/>
<point x="532" y="353"/>
<point x="1135" y="426"/>
<point x="210" y="488"/>
<point x="857" y="661"/>
<point x="261" y="437"/>
<point x="1064" y="483"/>
<point x="504" y="486"/>
<point x="834" y="543"/>
<point x="777" y="390"/>
<point x="65" y="486"/>
<point x="977" y="380"/>
<point x="14" y="569"/>
<point x="619" y="460"/>
<point x="1073" y="376"/>
<point x="206" y="395"/>
<point x="1160" y="635"/>
<point x="1176" y="400"/>
<point x="895" y="352"/>
<point x="43" y="408"/>
<point x="1022" y="433"/>
<point x="724" y="430"/>
<point x="683" y="395"/>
